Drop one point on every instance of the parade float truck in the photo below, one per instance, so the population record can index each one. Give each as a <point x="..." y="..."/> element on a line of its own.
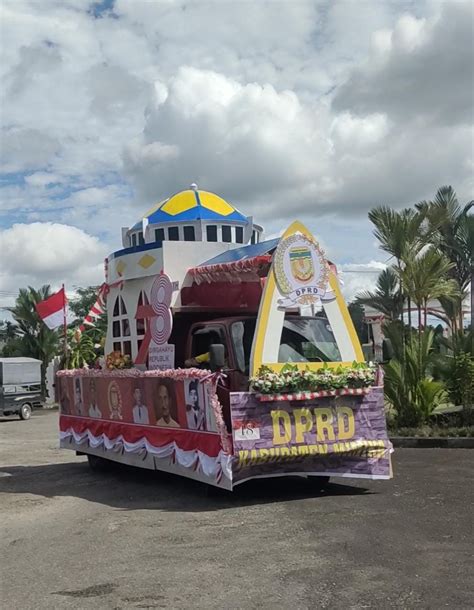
<point x="229" y="358"/>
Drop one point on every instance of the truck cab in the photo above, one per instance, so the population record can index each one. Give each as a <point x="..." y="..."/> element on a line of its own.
<point x="303" y="339"/>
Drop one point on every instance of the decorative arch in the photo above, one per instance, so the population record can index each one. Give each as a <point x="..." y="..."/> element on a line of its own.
<point x="270" y="322"/>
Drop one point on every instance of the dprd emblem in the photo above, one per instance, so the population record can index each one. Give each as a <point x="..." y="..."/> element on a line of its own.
<point x="301" y="262"/>
<point x="301" y="271"/>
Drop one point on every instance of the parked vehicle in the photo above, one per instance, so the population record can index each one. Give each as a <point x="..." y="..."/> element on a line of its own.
<point x="20" y="386"/>
<point x="244" y="362"/>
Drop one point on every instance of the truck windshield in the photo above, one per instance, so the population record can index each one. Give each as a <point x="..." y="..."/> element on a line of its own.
<point x="307" y="340"/>
<point x="302" y="340"/>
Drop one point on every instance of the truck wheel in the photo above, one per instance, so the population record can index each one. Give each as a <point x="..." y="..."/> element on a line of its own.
<point x="96" y="463"/>
<point x="319" y="482"/>
<point x="25" y="411"/>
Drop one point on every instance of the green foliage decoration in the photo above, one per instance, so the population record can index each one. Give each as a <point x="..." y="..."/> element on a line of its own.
<point x="292" y="380"/>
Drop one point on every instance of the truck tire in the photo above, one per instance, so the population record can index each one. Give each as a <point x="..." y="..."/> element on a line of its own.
<point x="319" y="482"/>
<point x="25" y="411"/>
<point x="97" y="464"/>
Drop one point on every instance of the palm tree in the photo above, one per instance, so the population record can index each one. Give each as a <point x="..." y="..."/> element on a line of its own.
<point x="37" y="340"/>
<point x="402" y="236"/>
<point x="452" y="232"/>
<point x="386" y="298"/>
<point x="425" y="278"/>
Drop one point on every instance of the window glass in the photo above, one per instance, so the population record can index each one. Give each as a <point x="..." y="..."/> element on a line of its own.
<point x="125" y="328"/>
<point x="239" y="235"/>
<point x="141" y="240"/>
<point x="127" y="348"/>
<point x="116" y="328"/>
<point x="123" y="309"/>
<point x="159" y="235"/>
<point x="226" y="234"/>
<point x="307" y="340"/>
<point x="252" y="241"/>
<point x="211" y="231"/>
<point x="117" y="347"/>
<point x="134" y="239"/>
<point x="173" y="234"/>
<point x="189" y="234"/>
<point x="242" y="338"/>
<point x="116" y="307"/>
<point x="204" y="338"/>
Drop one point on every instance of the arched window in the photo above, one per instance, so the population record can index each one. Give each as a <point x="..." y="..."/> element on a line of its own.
<point x="121" y="327"/>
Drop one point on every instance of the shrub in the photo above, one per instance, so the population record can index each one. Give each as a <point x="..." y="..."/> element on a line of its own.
<point x="409" y="386"/>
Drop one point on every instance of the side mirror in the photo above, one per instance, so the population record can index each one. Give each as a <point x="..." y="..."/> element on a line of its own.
<point x="216" y="356"/>
<point x="387" y="350"/>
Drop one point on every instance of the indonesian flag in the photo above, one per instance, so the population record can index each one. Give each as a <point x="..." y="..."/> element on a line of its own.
<point x="53" y="310"/>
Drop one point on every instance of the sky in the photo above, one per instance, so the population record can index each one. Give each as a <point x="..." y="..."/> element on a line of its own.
<point x="311" y="110"/>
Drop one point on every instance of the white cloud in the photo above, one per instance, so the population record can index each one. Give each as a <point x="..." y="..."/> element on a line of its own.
<point x="420" y="72"/>
<point x="43" y="252"/>
<point x="359" y="277"/>
<point x="306" y="109"/>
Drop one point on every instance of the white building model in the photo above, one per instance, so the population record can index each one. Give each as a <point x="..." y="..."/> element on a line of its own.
<point x="177" y="234"/>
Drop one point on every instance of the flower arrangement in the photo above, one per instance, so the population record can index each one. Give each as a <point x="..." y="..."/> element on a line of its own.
<point x="117" y="360"/>
<point x="290" y="379"/>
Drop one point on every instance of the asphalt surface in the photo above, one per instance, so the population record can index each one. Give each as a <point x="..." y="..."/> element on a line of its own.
<point x="70" y="538"/>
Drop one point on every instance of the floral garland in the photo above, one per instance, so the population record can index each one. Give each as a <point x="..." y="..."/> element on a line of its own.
<point x="176" y="375"/>
<point x="290" y="379"/>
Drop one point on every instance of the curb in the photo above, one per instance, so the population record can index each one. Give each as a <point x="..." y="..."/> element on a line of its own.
<point x="434" y="442"/>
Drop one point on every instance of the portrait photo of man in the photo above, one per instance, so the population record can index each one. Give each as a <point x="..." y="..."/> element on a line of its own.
<point x="139" y="411"/>
<point x="165" y="406"/>
<point x="78" y="403"/>
<point x="195" y="412"/>
<point x="93" y="410"/>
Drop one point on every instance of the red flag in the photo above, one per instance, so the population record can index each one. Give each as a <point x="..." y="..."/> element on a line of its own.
<point x="53" y="309"/>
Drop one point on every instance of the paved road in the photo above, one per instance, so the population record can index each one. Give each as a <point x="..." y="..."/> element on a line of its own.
<point x="136" y="539"/>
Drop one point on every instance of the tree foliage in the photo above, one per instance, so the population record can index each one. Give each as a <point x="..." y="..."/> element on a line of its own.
<point x="409" y="385"/>
<point x="386" y="298"/>
<point x="36" y="340"/>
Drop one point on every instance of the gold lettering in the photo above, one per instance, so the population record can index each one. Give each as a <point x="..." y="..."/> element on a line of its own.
<point x="345" y="423"/>
<point x="303" y="423"/>
<point x="280" y="418"/>
<point x="324" y="423"/>
<point x="243" y="455"/>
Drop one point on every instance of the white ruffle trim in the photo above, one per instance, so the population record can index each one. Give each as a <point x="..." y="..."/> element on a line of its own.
<point x="209" y="466"/>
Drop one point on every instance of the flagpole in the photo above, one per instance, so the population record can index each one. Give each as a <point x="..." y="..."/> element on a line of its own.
<point x="65" y="328"/>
